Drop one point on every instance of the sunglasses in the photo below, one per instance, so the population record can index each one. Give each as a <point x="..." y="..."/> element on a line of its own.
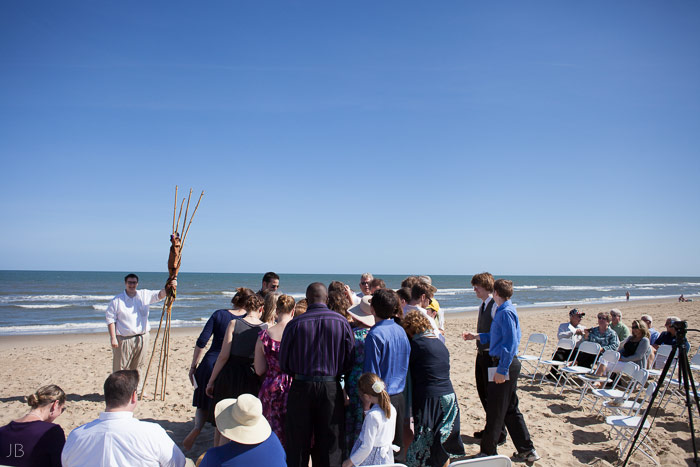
<point x="635" y="327"/>
<point x="603" y="318"/>
<point x="365" y="282"/>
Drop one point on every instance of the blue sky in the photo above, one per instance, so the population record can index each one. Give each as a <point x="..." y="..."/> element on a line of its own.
<point x="397" y="137"/>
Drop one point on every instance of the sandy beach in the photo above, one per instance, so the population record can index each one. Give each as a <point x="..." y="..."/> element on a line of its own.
<point x="563" y="433"/>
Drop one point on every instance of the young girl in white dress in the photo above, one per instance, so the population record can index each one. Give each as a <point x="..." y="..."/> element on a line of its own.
<point x="373" y="447"/>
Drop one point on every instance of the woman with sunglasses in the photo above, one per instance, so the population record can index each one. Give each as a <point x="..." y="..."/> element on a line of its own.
<point x="634" y="349"/>
<point x="34" y="440"/>
<point x="603" y="335"/>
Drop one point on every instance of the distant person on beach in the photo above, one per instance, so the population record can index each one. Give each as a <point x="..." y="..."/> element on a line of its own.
<point x="483" y="288"/>
<point x="270" y="283"/>
<point x="682" y="298"/>
<point x="365" y="284"/>
<point x="387" y="351"/>
<point x="627" y="294"/>
<point x="34" y="440"/>
<point x="201" y="371"/>
<point x="116" y="437"/>
<point x="251" y="443"/>
<point x="317" y="351"/>
<point x="127" y="322"/>
<point x="617" y="325"/>
<point x="502" y="407"/>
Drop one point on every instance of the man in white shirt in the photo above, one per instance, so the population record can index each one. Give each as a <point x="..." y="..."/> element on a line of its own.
<point x="127" y="322"/>
<point x="116" y="437"/>
<point x="572" y="330"/>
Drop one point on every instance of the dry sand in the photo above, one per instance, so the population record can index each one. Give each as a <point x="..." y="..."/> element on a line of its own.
<point x="563" y="433"/>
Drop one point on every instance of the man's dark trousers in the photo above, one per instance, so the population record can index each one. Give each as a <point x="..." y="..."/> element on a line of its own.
<point x="315" y="410"/>
<point x="481" y="369"/>
<point x="502" y="409"/>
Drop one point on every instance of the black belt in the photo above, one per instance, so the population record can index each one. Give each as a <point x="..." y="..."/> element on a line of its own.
<point x="315" y="379"/>
<point x="483" y="352"/>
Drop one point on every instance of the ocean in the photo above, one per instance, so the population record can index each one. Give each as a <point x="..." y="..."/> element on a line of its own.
<point x="55" y="302"/>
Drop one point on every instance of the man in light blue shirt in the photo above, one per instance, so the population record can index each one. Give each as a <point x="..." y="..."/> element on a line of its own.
<point x="502" y="404"/>
<point x="386" y="355"/>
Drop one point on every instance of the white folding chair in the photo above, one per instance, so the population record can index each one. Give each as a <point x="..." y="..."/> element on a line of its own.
<point x="491" y="461"/>
<point x="657" y="365"/>
<point x="628" y="404"/>
<point x="695" y="362"/>
<point x="568" y="372"/>
<point x="625" y="426"/>
<point x="609" y="359"/>
<point x="533" y="359"/>
<point x="566" y="344"/>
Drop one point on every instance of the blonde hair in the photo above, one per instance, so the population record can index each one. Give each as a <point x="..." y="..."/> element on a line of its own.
<point x="642" y="327"/>
<point x="366" y="385"/>
<point x="301" y="307"/>
<point x="270" y="307"/>
<point x="46" y="395"/>
<point x="285" y="304"/>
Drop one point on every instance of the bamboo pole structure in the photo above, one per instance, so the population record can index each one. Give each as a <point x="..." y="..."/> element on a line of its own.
<point x="174" y="260"/>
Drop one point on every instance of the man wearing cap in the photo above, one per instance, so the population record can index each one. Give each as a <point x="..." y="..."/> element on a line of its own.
<point x="572" y="330"/>
<point x="252" y="440"/>
<point x="316" y="350"/>
<point x="387" y="352"/>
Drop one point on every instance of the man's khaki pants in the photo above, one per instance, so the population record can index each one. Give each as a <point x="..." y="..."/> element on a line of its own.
<point x="131" y="353"/>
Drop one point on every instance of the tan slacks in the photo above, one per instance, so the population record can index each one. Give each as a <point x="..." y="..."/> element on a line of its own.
<point x="131" y="353"/>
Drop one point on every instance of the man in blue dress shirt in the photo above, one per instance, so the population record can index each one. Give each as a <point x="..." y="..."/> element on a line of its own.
<point x="386" y="355"/>
<point x="502" y="404"/>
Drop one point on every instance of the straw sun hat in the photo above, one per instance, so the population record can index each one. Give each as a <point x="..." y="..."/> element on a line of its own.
<point x="362" y="311"/>
<point x="241" y="420"/>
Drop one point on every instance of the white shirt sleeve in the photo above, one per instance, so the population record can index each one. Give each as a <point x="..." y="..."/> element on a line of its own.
<point x="151" y="296"/>
<point x="565" y="331"/>
<point x="111" y="313"/>
<point x="368" y="434"/>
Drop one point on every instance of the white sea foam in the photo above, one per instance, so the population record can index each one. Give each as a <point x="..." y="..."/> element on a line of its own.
<point x="53" y="298"/>
<point x="524" y="287"/>
<point x="564" y="288"/>
<point x="100" y="307"/>
<point x="454" y="291"/>
<point x="656" y="285"/>
<point x="44" y="306"/>
<point x="82" y="327"/>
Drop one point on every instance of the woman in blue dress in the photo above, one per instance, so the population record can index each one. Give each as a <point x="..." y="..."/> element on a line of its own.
<point x="200" y="373"/>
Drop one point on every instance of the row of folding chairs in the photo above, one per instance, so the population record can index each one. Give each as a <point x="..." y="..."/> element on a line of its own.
<point x="491" y="461"/>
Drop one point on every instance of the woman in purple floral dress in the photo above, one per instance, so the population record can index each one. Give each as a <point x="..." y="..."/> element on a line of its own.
<point x="275" y="386"/>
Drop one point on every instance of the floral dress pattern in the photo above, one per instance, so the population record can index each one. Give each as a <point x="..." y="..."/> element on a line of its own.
<point x="275" y="388"/>
<point x="354" y="413"/>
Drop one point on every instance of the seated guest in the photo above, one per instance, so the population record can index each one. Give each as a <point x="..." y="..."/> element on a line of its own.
<point x="653" y="333"/>
<point x="668" y="337"/>
<point x="602" y="335"/>
<point x="34" y="440"/>
<point x="116" y="437"/>
<point x="634" y="349"/>
<point x="573" y="330"/>
<point x="252" y="441"/>
<point x="616" y="325"/>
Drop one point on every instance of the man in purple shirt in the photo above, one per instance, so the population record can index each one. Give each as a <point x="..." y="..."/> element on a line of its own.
<point x="316" y="350"/>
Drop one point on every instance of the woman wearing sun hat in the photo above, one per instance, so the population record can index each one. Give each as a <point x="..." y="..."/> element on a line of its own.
<point x="252" y="440"/>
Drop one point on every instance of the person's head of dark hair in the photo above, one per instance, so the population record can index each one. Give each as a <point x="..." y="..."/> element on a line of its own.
<point x="119" y="387"/>
<point x="316" y="292"/>
<point x="338" y="302"/>
<point x="504" y="288"/>
<point x="483" y="280"/>
<point x="384" y="303"/>
<point x="404" y="294"/>
<point x="410" y="281"/>
<point x="242" y="294"/>
<point x="253" y="303"/>
<point x="376" y="284"/>
<point x="131" y="276"/>
<point x="269" y="276"/>
<point x="336" y="286"/>
<point x="420" y="288"/>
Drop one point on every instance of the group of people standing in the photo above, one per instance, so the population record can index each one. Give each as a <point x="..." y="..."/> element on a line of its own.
<point x="337" y="375"/>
